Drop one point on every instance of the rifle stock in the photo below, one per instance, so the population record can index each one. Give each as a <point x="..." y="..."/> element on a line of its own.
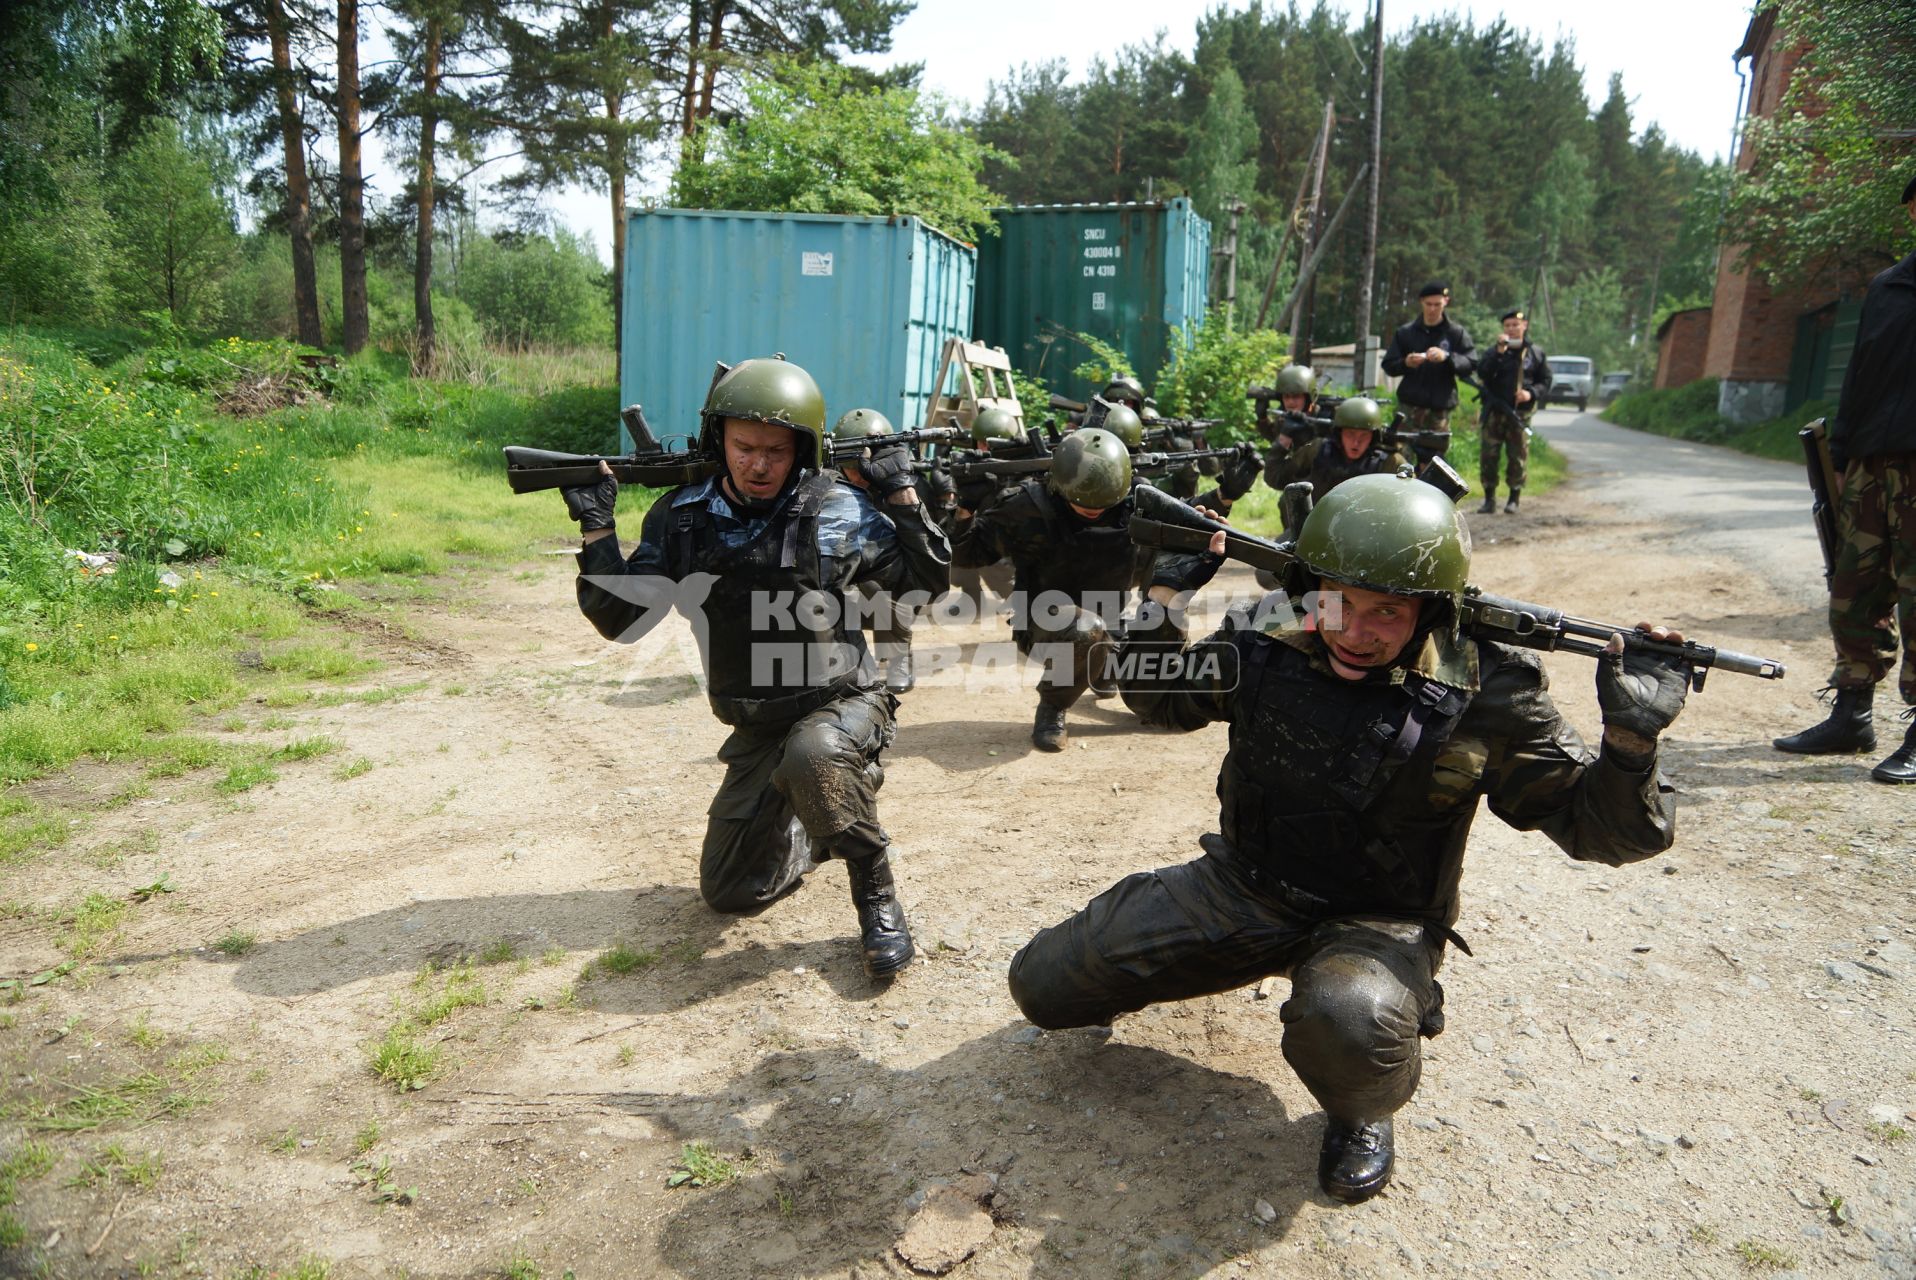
<point x="1816" y="457"/>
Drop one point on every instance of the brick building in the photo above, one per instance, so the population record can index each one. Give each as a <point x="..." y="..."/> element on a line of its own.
<point x="1770" y="351"/>
<point x="1682" y="341"/>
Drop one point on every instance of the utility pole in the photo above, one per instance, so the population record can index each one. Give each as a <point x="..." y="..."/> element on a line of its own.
<point x="1290" y="225"/>
<point x="1366" y="341"/>
<point x="1229" y="252"/>
<point x="1313" y="226"/>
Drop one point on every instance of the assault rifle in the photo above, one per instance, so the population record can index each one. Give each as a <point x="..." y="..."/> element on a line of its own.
<point x="1303" y="429"/>
<point x="653" y="466"/>
<point x="1142" y="464"/>
<point x="1270" y="425"/>
<point x="1816" y="454"/>
<point x="1164" y="523"/>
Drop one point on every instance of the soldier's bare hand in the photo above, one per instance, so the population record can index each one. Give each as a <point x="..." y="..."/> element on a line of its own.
<point x="1523" y="397"/>
<point x="1415" y="359"/>
<point x="1437" y="355"/>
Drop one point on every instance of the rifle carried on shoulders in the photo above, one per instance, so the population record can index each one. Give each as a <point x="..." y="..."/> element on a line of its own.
<point x="1304" y="428"/>
<point x="653" y="466"/>
<point x="1164" y="523"/>
<point x="1823" y="484"/>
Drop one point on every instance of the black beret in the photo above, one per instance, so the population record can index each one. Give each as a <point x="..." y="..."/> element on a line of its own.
<point x="1434" y="290"/>
<point x="1909" y="192"/>
<point x="1515" y="313"/>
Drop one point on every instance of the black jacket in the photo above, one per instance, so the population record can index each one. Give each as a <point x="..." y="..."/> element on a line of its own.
<point x="1430" y="386"/>
<point x="1498" y="374"/>
<point x="1877" y="413"/>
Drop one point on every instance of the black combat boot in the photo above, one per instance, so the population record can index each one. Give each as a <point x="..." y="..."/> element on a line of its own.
<point x="1047" y="732"/>
<point x="1900" y="766"/>
<point x="1848" y="728"/>
<point x="884" y="938"/>
<point x="1490" y="501"/>
<point x="899" y="679"/>
<point x="1510" y="507"/>
<point x="1354" y="1164"/>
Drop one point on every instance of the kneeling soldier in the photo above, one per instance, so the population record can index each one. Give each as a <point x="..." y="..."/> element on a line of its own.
<point x="1359" y="747"/>
<point x="808" y="716"/>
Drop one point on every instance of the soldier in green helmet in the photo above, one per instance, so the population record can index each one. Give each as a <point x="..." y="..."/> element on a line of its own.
<point x="891" y="633"/>
<point x="1290" y="458"/>
<point x="1351" y="449"/>
<point x="1069" y="542"/>
<point x="735" y="554"/>
<point x="1363" y="733"/>
<point x="1125" y="390"/>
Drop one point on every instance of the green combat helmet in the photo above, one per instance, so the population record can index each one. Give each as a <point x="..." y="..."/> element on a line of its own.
<point x="1092" y="469"/>
<point x="1124" y="390"/>
<point x="1391" y="533"/>
<point x="859" y="423"/>
<point x="996" y="424"/>
<point x="1359" y="413"/>
<point x="767" y="390"/>
<point x="1296" y="380"/>
<point x="1127" y="426"/>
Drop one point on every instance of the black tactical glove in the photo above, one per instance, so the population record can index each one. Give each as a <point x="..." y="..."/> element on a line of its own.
<point x="937" y="482"/>
<point x="1240" y="472"/>
<point x="1184" y="570"/>
<point x="1641" y="693"/>
<point x="888" y="470"/>
<point x="591" y="504"/>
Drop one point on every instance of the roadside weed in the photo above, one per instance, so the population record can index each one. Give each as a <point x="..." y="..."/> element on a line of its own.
<point x="402" y="1061"/>
<point x="114" y="1163"/>
<point x="237" y="943"/>
<point x="700" y="1166"/>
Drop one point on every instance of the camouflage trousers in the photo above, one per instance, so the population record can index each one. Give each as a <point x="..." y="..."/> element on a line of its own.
<point x="1362" y="990"/>
<point x="1501" y="431"/>
<point x="1424" y="419"/>
<point x="793" y="795"/>
<point x="1873" y="591"/>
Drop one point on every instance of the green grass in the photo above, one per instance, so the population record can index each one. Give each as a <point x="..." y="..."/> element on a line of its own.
<point x="404" y="1063"/>
<point x="173" y="1088"/>
<point x="114" y="1163"/>
<point x="462" y="990"/>
<point x="237" y="943"/>
<point x="28" y="1161"/>
<point x="1689" y="413"/>
<point x="93" y="925"/>
<point x="355" y="768"/>
<point x="701" y="1166"/>
<point x="306" y="748"/>
<point x="244" y="777"/>
<point x="255" y="516"/>
<point x="619" y="960"/>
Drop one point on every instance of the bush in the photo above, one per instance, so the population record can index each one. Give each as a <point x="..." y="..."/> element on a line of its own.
<point x="1671" y="411"/>
<point x="1210" y="369"/>
<point x="539" y="290"/>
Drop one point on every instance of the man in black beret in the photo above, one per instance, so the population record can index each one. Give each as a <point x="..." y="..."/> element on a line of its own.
<point x="1516" y="379"/>
<point x="1430" y="353"/>
<point x="1872" y="442"/>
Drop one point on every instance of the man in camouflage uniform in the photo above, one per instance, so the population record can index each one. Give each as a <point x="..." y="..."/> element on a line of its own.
<point x="761" y="557"/>
<point x="1360" y="744"/>
<point x="1872" y="442"/>
<point x="1430" y="353"/>
<point x="1515" y="373"/>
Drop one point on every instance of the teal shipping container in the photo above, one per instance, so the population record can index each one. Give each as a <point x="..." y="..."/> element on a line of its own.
<point x="863" y="304"/>
<point x="1124" y="273"/>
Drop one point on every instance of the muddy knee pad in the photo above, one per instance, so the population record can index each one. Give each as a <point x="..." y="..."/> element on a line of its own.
<point x="1350" y="1033"/>
<point x="1073" y="643"/>
<point x="1051" y="984"/>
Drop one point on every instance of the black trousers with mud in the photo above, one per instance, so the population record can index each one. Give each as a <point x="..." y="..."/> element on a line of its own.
<point x="1362" y="990"/>
<point x="793" y="795"/>
<point x="1065" y="642"/>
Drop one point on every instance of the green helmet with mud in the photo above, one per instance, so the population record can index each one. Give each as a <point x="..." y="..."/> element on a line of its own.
<point x="1127" y="426"/>
<point x="996" y="424"/>
<point x="767" y="390"/>
<point x="1359" y="413"/>
<point x="860" y="423"/>
<point x="1092" y="469"/>
<point x="1390" y="533"/>
<point x="1296" y="380"/>
<point x="1124" y="389"/>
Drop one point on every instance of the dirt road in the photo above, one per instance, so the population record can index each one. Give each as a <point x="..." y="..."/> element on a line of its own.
<point x="1703" y="1065"/>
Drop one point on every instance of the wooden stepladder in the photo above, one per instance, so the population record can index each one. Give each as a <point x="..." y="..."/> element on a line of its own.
<point x="983" y="381"/>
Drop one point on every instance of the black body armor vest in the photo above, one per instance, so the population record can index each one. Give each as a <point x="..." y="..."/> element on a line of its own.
<point x="1324" y="783"/>
<point x="768" y="657"/>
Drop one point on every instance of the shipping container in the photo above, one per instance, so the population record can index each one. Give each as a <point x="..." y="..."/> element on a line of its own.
<point x="1124" y="273"/>
<point x="863" y="304"/>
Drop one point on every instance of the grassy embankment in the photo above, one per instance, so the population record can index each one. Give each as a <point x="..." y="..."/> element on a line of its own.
<point x="1689" y="413"/>
<point x="236" y="539"/>
<point x="1257" y="511"/>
